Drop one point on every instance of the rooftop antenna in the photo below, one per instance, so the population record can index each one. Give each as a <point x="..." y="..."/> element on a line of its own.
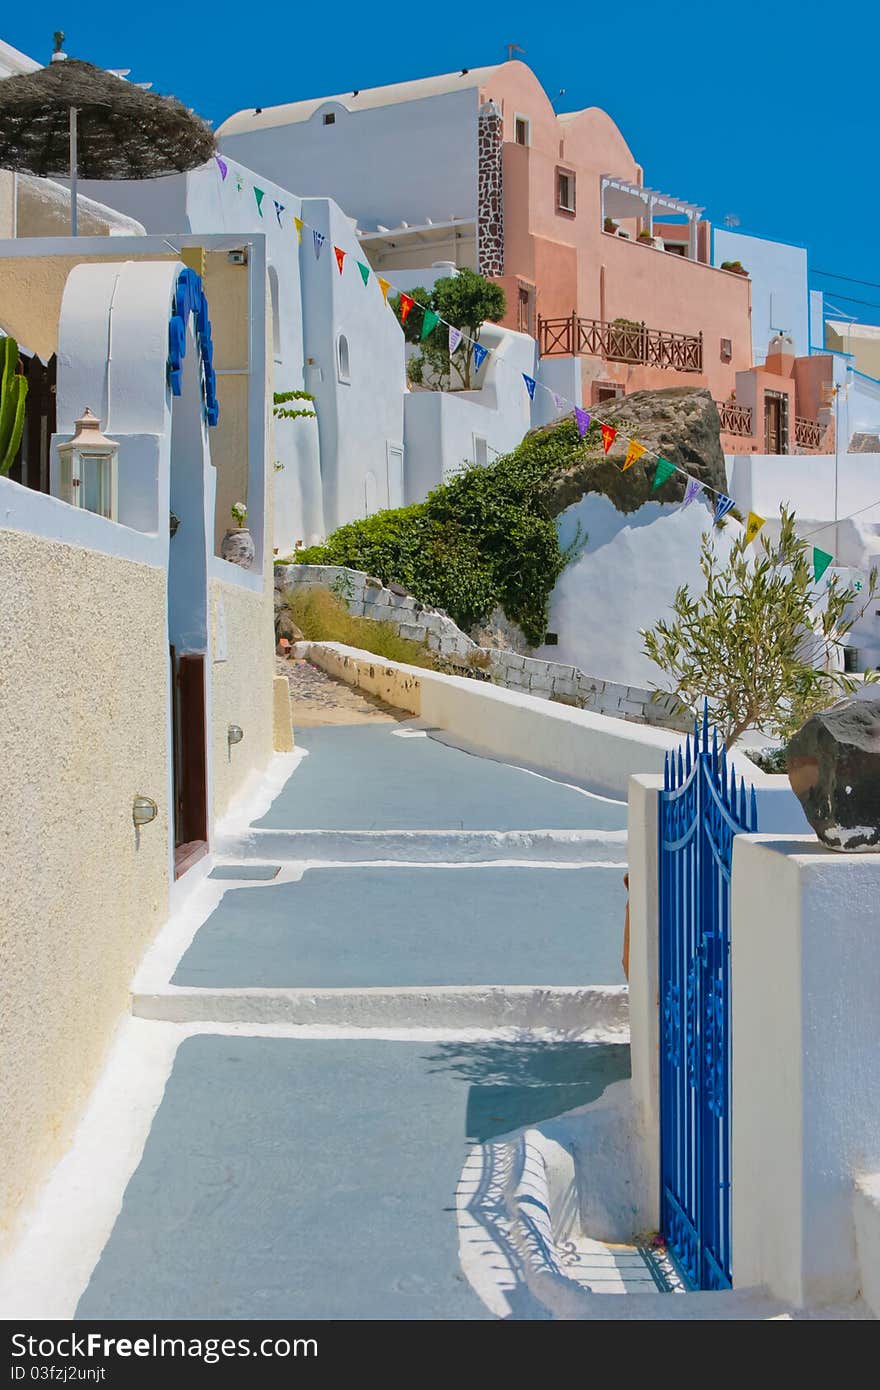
<point x="511" y="49"/>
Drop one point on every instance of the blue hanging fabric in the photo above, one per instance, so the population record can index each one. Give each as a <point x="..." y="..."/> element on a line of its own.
<point x="319" y="239"/>
<point x="480" y="355"/>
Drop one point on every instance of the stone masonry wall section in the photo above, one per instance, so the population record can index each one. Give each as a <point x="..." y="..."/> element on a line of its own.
<point x="549" y="680"/>
<point x="490" y="197"/>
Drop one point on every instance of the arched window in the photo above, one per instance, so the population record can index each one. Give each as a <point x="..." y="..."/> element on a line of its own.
<point x="343" y="364"/>
<point x="276" y="313"/>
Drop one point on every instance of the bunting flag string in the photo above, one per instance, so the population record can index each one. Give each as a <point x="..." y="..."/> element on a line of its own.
<point x="723" y="505"/>
<point x="429" y="322"/>
<point x="634" y="452"/>
<point x="753" y="526"/>
<point x="662" y="472"/>
<point x="664" y="469"/>
<point x="821" y="561"/>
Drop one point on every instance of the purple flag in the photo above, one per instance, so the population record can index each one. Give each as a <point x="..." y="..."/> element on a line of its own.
<point x="480" y="355"/>
<point x="319" y="243"/>
<point x="691" y="492"/>
<point x="222" y="166"/>
<point x="454" y="338"/>
<point x="530" y="385"/>
<point x="559" y="401"/>
<point x="582" y="419"/>
<point x="723" y="505"/>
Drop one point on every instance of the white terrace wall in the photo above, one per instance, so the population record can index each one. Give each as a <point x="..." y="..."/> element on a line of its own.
<point x="548" y="680"/>
<point x="84" y="692"/>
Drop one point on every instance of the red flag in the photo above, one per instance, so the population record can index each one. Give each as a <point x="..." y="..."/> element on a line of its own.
<point x="405" y="305"/>
<point x="608" y="436"/>
<point x="340" y="256"/>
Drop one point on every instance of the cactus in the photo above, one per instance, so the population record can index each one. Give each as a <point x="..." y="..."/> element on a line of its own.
<point x="13" y="392"/>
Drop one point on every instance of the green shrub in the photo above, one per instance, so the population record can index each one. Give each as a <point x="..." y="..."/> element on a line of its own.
<point x="322" y="616"/>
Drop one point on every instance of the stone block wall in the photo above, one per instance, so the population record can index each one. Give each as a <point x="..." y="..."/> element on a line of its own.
<point x="548" y="680"/>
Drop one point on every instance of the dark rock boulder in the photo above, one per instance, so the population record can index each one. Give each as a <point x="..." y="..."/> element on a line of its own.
<point x="834" y="770"/>
<point x="679" y="422"/>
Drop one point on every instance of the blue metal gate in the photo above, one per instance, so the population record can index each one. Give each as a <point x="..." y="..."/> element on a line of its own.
<point x="701" y="809"/>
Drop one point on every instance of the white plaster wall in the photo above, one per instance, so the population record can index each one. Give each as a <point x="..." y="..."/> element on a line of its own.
<point x="414" y="179"/>
<point x="624" y="579"/>
<point x="441" y="426"/>
<point x="242" y="657"/>
<point x="780" y="298"/>
<point x="805" y="979"/>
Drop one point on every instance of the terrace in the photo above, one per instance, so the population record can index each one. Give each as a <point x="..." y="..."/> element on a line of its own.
<point x="621" y="340"/>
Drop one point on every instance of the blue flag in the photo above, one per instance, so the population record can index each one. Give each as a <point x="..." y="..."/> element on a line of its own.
<point x="480" y="355"/>
<point x="723" y="506"/>
<point x="319" y="243"/>
<point x="530" y="385"/>
<point x="279" y="208"/>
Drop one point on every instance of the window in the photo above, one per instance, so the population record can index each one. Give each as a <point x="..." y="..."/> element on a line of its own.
<point x="605" y="391"/>
<point x="330" y="118"/>
<point x="726" y="349"/>
<point x="343" y="364"/>
<point x="481" y="451"/>
<point x="564" y="190"/>
<point x="521" y="130"/>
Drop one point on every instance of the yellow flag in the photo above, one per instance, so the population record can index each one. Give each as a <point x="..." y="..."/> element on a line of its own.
<point x="634" y="452"/>
<point x="299" y="224"/>
<point x="753" y="526"/>
<point x="384" y="286"/>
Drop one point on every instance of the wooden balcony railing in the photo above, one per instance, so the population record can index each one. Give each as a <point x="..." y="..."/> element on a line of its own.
<point x="621" y="341"/>
<point x="807" y="433"/>
<point x="735" y="419"/>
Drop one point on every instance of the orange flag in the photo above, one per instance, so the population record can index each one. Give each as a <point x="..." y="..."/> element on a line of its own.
<point x="608" y="436"/>
<point x="634" y="452"/>
<point x="384" y="286"/>
<point x="299" y="224"/>
<point x="406" y="304"/>
<point x="340" y="256"/>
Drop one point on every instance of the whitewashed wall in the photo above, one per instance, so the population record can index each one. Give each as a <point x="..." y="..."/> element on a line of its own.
<point x="779" y="287"/>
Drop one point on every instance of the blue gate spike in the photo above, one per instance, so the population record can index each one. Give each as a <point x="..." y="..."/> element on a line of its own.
<point x="697" y="829"/>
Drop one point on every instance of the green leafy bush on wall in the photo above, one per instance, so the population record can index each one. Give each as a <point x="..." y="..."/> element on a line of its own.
<point x="484" y="539"/>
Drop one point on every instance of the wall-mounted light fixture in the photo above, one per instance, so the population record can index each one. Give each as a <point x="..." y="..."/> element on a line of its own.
<point x="143" y="810"/>
<point x="234" y="734"/>
<point x="88" y="466"/>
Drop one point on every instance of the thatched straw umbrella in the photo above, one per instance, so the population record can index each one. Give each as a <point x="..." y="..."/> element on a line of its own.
<point x="72" y="120"/>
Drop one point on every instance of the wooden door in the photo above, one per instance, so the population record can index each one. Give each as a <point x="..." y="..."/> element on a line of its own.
<point x="190" y="761"/>
<point x="772" y="424"/>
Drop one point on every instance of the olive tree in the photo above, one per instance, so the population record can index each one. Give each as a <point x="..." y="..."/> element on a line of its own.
<point x="762" y="643"/>
<point x="465" y="300"/>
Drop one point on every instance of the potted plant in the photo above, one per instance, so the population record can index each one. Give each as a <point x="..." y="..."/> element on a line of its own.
<point x="735" y="267"/>
<point x="645" y="237"/>
<point x="237" y="545"/>
<point x="610" y="225"/>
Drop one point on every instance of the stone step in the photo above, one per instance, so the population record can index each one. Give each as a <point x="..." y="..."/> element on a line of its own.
<point x="426" y="846"/>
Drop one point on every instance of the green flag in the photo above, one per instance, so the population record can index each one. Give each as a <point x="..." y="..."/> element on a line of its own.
<point x="664" y="470"/>
<point x="821" y="561"/>
<point x="429" y="323"/>
<point x="259" y="194"/>
<point x="364" y="270"/>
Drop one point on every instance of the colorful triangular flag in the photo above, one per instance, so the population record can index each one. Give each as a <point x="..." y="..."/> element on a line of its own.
<point x="299" y="224"/>
<point x="279" y="208"/>
<point x="239" y="183"/>
<point x="723" y="505"/>
<point x="753" y="526"/>
<point x="222" y="166"/>
<point x="429" y="323"/>
<point x="559" y="401"/>
<point x="582" y="420"/>
<point x="821" y="561"/>
<point x="608" y="434"/>
<point x="259" y="194"/>
<point x="364" y="270"/>
<point x="384" y="286"/>
<point x="633" y="453"/>
<point x="319" y="239"/>
<point x="454" y="338"/>
<point x="691" y="492"/>
<point x="340" y="257"/>
<point x="664" y="470"/>
<point x="530" y="385"/>
<point x="406" y="304"/>
<point x="480" y="355"/>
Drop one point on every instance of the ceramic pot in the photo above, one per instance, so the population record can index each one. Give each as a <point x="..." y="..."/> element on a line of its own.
<point x="238" y="547"/>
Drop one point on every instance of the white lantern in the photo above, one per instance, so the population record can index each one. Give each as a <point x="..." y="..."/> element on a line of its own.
<point x="88" y="469"/>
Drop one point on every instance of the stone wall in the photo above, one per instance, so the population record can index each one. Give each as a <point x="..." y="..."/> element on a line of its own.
<point x="490" y="199"/>
<point x="549" y="680"/>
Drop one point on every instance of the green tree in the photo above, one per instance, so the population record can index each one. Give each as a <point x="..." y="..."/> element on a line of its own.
<point x="757" y="644"/>
<point x="466" y="301"/>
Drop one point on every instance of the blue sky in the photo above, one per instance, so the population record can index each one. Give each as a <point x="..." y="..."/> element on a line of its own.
<point x="767" y="112"/>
